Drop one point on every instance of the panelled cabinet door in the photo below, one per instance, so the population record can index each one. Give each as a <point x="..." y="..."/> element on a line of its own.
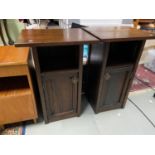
<point x="114" y="87"/>
<point x="60" y="92"/>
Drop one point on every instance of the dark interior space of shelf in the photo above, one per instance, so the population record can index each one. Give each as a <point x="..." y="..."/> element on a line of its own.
<point x="58" y="58"/>
<point x="13" y="83"/>
<point x="121" y="53"/>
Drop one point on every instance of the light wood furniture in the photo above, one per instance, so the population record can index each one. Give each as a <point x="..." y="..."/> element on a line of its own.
<point x="144" y="23"/>
<point x="17" y="99"/>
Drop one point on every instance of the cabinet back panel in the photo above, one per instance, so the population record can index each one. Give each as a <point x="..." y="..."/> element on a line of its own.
<point x="13" y="83"/>
<point x="58" y="57"/>
<point x="123" y="52"/>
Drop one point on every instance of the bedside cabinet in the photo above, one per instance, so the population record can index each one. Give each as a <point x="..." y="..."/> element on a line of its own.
<point x="58" y="56"/>
<point x="17" y="99"/>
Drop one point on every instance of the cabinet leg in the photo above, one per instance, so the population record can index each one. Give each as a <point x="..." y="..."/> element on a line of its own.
<point x="34" y="121"/>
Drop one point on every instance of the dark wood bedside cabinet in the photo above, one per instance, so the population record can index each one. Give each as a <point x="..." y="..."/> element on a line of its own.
<point x="58" y="59"/>
<point x="112" y="65"/>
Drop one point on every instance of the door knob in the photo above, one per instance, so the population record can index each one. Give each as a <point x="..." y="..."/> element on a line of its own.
<point x="74" y="80"/>
<point x="107" y="76"/>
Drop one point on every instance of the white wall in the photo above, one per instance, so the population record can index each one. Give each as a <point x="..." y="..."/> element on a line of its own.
<point x="106" y="22"/>
<point x="95" y="22"/>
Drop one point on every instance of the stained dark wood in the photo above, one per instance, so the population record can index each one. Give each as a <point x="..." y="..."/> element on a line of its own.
<point x="41" y="37"/>
<point x="80" y="74"/>
<point x="113" y="59"/>
<point x="56" y="68"/>
<point x="110" y="71"/>
<point x="60" y="90"/>
<point x="58" y="57"/>
<point x="96" y="65"/>
<point x="39" y="81"/>
<point x="119" y="33"/>
<point x="135" y="65"/>
<point x="114" y="87"/>
<point x="123" y="52"/>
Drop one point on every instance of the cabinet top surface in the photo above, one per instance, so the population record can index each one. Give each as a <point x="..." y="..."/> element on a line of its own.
<point x="10" y="55"/>
<point x="42" y="37"/>
<point x="119" y="33"/>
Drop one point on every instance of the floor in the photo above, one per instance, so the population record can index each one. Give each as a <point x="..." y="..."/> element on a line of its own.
<point x="144" y="77"/>
<point x="138" y="117"/>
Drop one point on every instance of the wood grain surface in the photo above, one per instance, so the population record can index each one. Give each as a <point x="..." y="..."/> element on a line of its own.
<point x="10" y="55"/>
<point x="119" y="33"/>
<point x="41" y="37"/>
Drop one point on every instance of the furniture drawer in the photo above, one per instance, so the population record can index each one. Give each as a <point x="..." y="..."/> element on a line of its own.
<point x="16" y="70"/>
<point x="16" y="108"/>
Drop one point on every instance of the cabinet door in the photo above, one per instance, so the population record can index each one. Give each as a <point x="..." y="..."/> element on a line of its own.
<point x="114" y="87"/>
<point x="60" y="92"/>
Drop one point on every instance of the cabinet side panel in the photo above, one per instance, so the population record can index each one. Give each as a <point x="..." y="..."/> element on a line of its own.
<point x="96" y="60"/>
<point x="39" y="81"/>
<point x="139" y="53"/>
<point x="80" y="79"/>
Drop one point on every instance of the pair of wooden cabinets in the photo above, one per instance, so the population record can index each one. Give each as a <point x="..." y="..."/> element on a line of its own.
<point x="58" y="55"/>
